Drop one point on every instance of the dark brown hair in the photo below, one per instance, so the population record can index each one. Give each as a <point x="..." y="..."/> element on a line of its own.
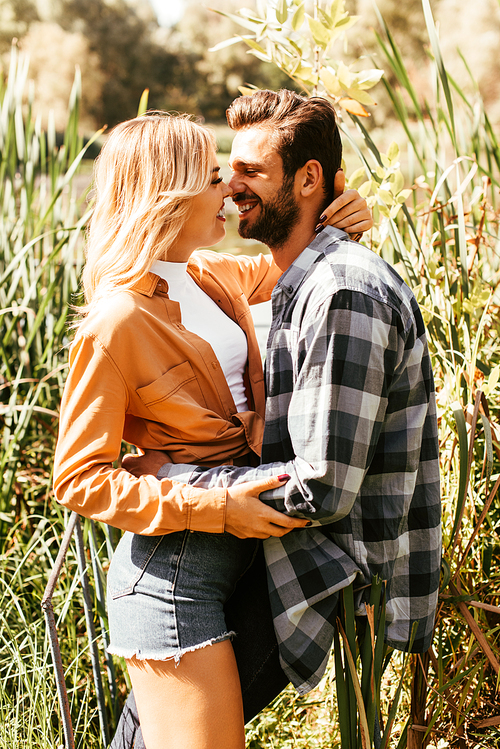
<point x="302" y="128"/>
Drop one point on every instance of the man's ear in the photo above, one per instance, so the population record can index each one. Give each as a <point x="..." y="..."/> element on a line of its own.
<point x="338" y="184"/>
<point x="310" y="178"/>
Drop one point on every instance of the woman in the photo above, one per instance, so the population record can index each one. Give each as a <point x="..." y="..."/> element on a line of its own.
<point x="166" y="358"/>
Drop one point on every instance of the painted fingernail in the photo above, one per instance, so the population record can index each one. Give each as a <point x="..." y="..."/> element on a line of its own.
<point x="322" y="218"/>
<point x="319" y="228"/>
<point x="283" y="477"/>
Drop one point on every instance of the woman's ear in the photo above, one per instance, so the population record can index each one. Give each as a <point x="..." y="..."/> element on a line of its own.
<point x="311" y="178"/>
<point x="338" y="184"/>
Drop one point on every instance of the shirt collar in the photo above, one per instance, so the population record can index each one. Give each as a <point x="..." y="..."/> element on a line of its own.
<point x="295" y="274"/>
<point x="147" y="284"/>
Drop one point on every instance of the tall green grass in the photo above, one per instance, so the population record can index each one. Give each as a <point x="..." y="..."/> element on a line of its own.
<point x="446" y="242"/>
<point x="29" y="712"/>
<point x="444" y="237"/>
<point x="42" y="217"/>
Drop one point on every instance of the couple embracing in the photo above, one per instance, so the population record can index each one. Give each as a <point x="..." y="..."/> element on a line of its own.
<point x="341" y="479"/>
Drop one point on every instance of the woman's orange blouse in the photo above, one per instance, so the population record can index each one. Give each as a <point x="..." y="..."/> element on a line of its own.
<point x="137" y="374"/>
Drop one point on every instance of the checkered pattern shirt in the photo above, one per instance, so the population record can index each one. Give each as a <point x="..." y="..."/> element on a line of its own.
<point x="351" y="417"/>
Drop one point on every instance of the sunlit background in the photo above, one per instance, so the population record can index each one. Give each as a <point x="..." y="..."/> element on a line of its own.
<point x="426" y="157"/>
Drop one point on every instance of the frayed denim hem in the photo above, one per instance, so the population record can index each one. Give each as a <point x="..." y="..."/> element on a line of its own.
<point x="176" y="657"/>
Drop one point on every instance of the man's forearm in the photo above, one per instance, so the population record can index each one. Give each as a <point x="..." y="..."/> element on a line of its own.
<point x="226" y="476"/>
<point x="293" y="498"/>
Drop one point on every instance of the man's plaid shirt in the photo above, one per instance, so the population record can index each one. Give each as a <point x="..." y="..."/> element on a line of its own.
<point x="351" y="417"/>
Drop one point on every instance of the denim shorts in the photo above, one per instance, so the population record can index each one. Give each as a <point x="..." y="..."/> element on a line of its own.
<point x="166" y="594"/>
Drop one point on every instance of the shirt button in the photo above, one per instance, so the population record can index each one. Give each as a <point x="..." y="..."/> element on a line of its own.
<point x="214" y="365"/>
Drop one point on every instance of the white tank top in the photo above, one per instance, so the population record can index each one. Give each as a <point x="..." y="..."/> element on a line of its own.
<point x="202" y="316"/>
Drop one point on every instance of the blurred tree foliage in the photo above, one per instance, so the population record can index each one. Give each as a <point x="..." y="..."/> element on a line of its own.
<point x="211" y="79"/>
<point x="130" y="58"/>
<point x="15" y="19"/>
<point x="122" y="50"/>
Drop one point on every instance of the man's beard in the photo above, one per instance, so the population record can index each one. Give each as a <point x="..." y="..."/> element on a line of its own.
<point x="276" y="220"/>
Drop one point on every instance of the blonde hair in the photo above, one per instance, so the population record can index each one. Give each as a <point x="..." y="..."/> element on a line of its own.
<point x="145" y="178"/>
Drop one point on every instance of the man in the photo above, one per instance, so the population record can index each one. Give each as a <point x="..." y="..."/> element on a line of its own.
<point x="350" y="412"/>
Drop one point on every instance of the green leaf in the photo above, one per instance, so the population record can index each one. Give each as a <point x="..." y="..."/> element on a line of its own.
<point x="298" y="17"/>
<point x="369" y="78"/>
<point x="345" y="76"/>
<point x="463" y="451"/>
<point x="143" y="104"/>
<point x="253" y="44"/>
<point x="404" y="195"/>
<point x="41" y="310"/>
<point x="397" y="182"/>
<point x="394" y="210"/>
<point x="386" y="196"/>
<point x="246" y="23"/>
<point x="321" y="35"/>
<point x="392" y="712"/>
<point x="330" y="81"/>
<point x="304" y="73"/>
<point x="431" y="28"/>
<point x="325" y="19"/>
<point x="342" y="691"/>
<point x="492" y="382"/>
<point x="365" y="734"/>
<point x="393" y="152"/>
<point x="346" y="23"/>
<point x="250" y="15"/>
<point x="337" y="10"/>
<point x="247" y="91"/>
<point x="357" y="178"/>
<point x="488" y="439"/>
<point x="259" y="55"/>
<point x="295" y="46"/>
<point x="361" y="96"/>
<point x="226" y="43"/>
<point x="365" y="189"/>
<point x="282" y="11"/>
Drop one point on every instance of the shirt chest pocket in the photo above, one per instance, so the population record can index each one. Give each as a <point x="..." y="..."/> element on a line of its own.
<point x="175" y="398"/>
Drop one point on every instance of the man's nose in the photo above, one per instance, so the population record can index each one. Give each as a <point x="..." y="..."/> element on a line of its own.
<point x="235" y="184"/>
